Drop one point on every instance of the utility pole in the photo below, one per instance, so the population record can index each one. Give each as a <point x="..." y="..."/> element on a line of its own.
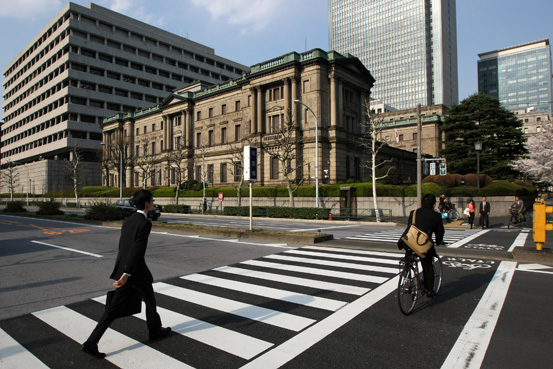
<point x="419" y="156"/>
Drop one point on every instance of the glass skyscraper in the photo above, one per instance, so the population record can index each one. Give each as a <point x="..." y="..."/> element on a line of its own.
<point x="519" y="76"/>
<point x="409" y="46"/>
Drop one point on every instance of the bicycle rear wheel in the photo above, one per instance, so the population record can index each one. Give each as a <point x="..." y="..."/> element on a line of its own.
<point x="407" y="290"/>
<point x="453" y="215"/>
<point x="438" y="272"/>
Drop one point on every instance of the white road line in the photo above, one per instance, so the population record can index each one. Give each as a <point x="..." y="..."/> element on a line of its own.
<point x="337" y="264"/>
<point x="272" y="293"/>
<point x="317" y="271"/>
<point x="343" y="257"/>
<point x="264" y="315"/>
<point x="285" y="352"/>
<point x="320" y="285"/>
<point x="68" y="249"/>
<point x="121" y="350"/>
<point x="321" y="228"/>
<point x="519" y="241"/>
<point x="470" y="348"/>
<point x="13" y="355"/>
<point x="468" y="239"/>
<point x="396" y="255"/>
<point x="233" y="240"/>
<point x="221" y="338"/>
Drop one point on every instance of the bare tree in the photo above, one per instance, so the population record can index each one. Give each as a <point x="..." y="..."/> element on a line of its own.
<point x="177" y="161"/>
<point x="73" y="171"/>
<point x="371" y="141"/>
<point x="236" y="162"/>
<point x="147" y="160"/>
<point x="285" y="147"/>
<point x="10" y="176"/>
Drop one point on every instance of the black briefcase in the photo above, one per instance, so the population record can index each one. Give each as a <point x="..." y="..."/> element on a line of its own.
<point x="132" y="304"/>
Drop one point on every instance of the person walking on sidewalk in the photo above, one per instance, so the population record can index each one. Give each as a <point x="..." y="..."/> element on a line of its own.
<point x="471" y="206"/>
<point x="131" y="275"/>
<point x="485" y="208"/>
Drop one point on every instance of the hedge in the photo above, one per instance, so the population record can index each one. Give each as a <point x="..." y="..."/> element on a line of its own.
<point x="277" y="212"/>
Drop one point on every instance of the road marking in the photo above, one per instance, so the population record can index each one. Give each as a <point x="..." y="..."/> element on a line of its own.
<point x="122" y="351"/>
<point x="316" y="271"/>
<point x="272" y="293"/>
<point x="257" y="313"/>
<point x="534" y="268"/>
<point x="334" y="250"/>
<point x="231" y="240"/>
<point x="312" y="283"/>
<point x="470" y="348"/>
<point x="343" y="257"/>
<point x="322" y="228"/>
<point x="337" y="264"/>
<point x="16" y="356"/>
<point x="68" y="249"/>
<point x="221" y="338"/>
<point x="520" y="241"/>
<point x="285" y="352"/>
<point x="468" y="239"/>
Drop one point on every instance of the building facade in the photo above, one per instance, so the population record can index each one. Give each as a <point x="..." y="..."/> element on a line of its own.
<point x="519" y="76"/>
<point x="409" y="46"/>
<point x="532" y="120"/>
<point x="400" y="129"/>
<point x="87" y="64"/>
<point x="211" y="125"/>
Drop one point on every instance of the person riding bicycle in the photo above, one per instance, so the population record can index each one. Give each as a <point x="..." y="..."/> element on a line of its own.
<point x="517" y="209"/>
<point x="429" y="221"/>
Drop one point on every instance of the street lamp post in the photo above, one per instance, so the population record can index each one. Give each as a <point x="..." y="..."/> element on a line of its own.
<point x="15" y="162"/>
<point x="478" y="148"/>
<point x="120" y="168"/>
<point x="316" y="152"/>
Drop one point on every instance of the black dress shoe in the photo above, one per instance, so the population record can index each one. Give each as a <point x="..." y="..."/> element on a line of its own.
<point x="92" y="349"/>
<point x="161" y="332"/>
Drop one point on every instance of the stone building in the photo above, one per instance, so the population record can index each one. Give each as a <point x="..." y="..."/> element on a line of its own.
<point x="212" y="124"/>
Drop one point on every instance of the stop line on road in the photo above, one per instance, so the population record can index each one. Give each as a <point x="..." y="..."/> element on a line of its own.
<point x="282" y="296"/>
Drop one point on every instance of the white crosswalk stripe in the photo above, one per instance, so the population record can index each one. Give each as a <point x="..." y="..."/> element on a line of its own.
<point x="320" y="281"/>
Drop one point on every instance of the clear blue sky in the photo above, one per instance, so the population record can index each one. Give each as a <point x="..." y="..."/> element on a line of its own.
<point x="252" y="31"/>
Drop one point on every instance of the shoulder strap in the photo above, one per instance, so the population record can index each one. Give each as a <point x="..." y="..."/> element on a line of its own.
<point x="414" y="216"/>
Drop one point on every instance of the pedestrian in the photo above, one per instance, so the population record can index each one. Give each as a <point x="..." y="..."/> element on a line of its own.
<point x="470" y="206"/>
<point x="204" y="205"/>
<point x="517" y="210"/>
<point x="485" y="208"/>
<point x="430" y="222"/>
<point x="131" y="275"/>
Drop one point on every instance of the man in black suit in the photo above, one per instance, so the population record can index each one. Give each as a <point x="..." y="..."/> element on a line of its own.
<point x="485" y="208"/>
<point x="131" y="275"/>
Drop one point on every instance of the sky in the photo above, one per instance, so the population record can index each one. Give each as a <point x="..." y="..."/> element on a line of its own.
<point x="253" y="31"/>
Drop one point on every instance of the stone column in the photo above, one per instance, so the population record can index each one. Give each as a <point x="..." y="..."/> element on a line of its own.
<point x="296" y="108"/>
<point x="333" y="102"/>
<point x="166" y="121"/>
<point x="253" y="121"/>
<point x="184" y="129"/>
<point x="189" y="128"/>
<point x="260" y="104"/>
<point x="287" y="91"/>
<point x="339" y="103"/>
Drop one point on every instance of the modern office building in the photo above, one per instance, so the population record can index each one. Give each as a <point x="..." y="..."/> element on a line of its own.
<point x="213" y="124"/>
<point x="409" y="46"/>
<point x="519" y="76"/>
<point x="89" y="63"/>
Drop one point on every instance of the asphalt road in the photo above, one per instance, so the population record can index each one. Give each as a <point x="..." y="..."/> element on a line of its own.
<point x="249" y="304"/>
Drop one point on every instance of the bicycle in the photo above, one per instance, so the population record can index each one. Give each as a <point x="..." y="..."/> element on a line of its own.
<point x="411" y="280"/>
<point x="525" y="221"/>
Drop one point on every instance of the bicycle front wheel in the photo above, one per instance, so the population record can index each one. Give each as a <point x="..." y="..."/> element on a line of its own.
<point x="453" y="215"/>
<point x="407" y="291"/>
<point x="438" y="272"/>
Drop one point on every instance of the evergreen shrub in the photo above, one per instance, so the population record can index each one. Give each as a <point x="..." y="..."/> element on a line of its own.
<point x="14" y="207"/>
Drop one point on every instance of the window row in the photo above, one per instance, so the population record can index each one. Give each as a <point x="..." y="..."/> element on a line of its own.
<point x="223" y="138"/>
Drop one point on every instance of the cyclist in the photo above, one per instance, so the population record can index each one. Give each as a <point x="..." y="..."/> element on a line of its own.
<point x="428" y="221"/>
<point x="517" y="209"/>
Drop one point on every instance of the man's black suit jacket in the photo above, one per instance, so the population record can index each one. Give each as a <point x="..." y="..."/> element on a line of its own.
<point x="485" y="209"/>
<point x="132" y="249"/>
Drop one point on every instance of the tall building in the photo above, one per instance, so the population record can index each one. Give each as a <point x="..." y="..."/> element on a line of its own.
<point x="519" y="76"/>
<point x="409" y="46"/>
<point x="89" y="63"/>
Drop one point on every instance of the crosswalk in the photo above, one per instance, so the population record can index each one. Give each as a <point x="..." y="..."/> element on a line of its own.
<point x="452" y="236"/>
<point x="244" y="314"/>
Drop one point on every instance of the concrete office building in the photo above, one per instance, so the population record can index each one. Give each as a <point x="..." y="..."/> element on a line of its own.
<point x="89" y="63"/>
<point x="212" y="124"/>
<point x="409" y="46"/>
<point x="519" y="76"/>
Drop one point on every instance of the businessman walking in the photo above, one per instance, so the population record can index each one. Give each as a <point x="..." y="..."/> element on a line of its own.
<point x="131" y="275"/>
